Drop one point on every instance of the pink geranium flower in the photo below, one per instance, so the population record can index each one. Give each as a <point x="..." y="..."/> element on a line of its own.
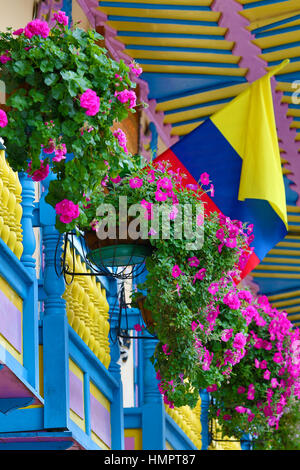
<point x="126" y="95"/>
<point x="67" y="211"/>
<point x="135" y="69"/>
<point x="37" y="28"/>
<point x="90" y="101"/>
<point x="3" y="118"/>
<point x="61" y="18"/>
<point x="18" y="32"/>
<point x="122" y="140"/>
<point x="40" y="174"/>
<point x="60" y="153"/>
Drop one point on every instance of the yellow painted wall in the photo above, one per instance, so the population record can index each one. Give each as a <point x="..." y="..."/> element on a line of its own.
<point x="79" y="15"/>
<point x="79" y="374"/>
<point x="18" y="303"/>
<point x="15" y="13"/>
<point x="138" y="438"/>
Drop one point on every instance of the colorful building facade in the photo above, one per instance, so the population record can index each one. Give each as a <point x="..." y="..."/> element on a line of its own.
<point x="63" y="383"/>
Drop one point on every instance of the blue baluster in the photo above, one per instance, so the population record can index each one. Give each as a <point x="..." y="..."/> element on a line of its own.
<point x="55" y="324"/>
<point x="246" y="442"/>
<point x="205" y="437"/>
<point x="30" y="308"/>
<point x="154" y="432"/>
<point x="117" y="410"/>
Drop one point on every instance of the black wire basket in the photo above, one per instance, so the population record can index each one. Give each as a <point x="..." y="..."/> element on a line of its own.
<point x="119" y="260"/>
<point x="119" y="320"/>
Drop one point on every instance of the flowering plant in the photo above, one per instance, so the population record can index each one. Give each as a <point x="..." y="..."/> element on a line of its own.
<point x="266" y="382"/>
<point x="64" y="95"/>
<point x="190" y="283"/>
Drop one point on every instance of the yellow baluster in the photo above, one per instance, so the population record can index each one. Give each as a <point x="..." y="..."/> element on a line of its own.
<point x="5" y="196"/>
<point x="12" y="203"/>
<point x="78" y="324"/>
<point x="1" y="205"/>
<point x="92" y="339"/>
<point x="85" y="313"/>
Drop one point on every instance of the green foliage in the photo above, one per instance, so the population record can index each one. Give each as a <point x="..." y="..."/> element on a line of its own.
<point x="45" y="78"/>
<point x="270" y="412"/>
<point x="178" y="303"/>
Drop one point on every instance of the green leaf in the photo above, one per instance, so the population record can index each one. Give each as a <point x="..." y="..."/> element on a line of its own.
<point x="22" y="67"/>
<point x="50" y="79"/>
<point x="36" y="95"/>
<point x="58" y="91"/>
<point x="46" y="66"/>
<point x="17" y="101"/>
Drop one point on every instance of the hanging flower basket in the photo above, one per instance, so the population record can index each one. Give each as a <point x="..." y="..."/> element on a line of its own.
<point x="116" y="253"/>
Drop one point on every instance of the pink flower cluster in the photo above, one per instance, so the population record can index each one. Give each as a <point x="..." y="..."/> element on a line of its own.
<point x="60" y="153"/>
<point x="4" y="58"/>
<point x="40" y="174"/>
<point x="135" y="69"/>
<point x="3" y="118"/>
<point x="36" y="28"/>
<point x="61" y="18"/>
<point x="136" y="182"/>
<point x="121" y="137"/>
<point x="148" y="206"/>
<point x="126" y="95"/>
<point x="228" y="235"/>
<point x="67" y="211"/>
<point x="276" y="360"/>
<point x="59" y="150"/>
<point x="90" y="101"/>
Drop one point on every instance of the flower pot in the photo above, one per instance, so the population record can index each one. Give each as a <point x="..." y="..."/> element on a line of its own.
<point x="146" y="314"/>
<point x="116" y="252"/>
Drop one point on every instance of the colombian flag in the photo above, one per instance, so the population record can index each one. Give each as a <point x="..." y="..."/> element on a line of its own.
<point x="238" y="148"/>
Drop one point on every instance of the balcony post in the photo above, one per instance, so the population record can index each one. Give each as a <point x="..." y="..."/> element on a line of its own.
<point x="153" y="414"/>
<point x="55" y="324"/>
<point x="30" y="313"/>
<point x="204" y="395"/>
<point x="117" y="409"/>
